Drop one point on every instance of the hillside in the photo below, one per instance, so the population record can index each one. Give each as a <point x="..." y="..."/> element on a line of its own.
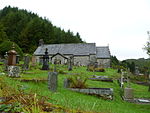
<point x="142" y="63"/>
<point x="26" y="29"/>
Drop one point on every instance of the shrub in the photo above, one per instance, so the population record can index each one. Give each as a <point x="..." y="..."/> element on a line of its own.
<point x="91" y="68"/>
<point x="61" y="72"/>
<point x="99" y="69"/>
<point x="78" y="82"/>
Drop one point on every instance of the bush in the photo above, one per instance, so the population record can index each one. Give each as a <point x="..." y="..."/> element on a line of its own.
<point x="91" y="68"/>
<point x="78" y="82"/>
<point x="7" y="45"/>
<point x="99" y="69"/>
<point x="61" y="72"/>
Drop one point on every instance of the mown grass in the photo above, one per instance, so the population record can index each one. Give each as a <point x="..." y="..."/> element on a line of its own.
<point x="74" y="100"/>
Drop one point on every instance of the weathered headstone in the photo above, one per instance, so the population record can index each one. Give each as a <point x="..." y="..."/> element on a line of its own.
<point x="17" y="59"/>
<point x="6" y="62"/>
<point x="67" y="83"/>
<point x="69" y="64"/>
<point x="52" y="81"/>
<point x="40" y="60"/>
<point x="137" y="72"/>
<point x="12" y="57"/>
<point x="128" y="93"/>
<point x="26" y="63"/>
<point x="55" y="67"/>
<point x="13" y="71"/>
<point x="33" y="60"/>
<point x="45" y="61"/>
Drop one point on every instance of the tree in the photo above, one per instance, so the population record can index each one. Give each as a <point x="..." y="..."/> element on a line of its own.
<point x="7" y="45"/>
<point x="26" y="29"/>
<point x="3" y="35"/>
<point x="147" y="46"/>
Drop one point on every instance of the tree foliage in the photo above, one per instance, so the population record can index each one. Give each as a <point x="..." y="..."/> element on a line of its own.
<point x="147" y="46"/>
<point x="26" y="28"/>
<point x="7" y="45"/>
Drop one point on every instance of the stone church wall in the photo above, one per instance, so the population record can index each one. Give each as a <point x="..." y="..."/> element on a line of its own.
<point x="105" y="63"/>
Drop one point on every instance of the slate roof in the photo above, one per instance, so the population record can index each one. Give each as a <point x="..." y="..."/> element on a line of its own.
<point x="102" y="52"/>
<point x="74" y="49"/>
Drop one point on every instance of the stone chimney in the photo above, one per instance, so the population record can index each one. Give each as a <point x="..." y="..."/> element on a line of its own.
<point x="41" y="42"/>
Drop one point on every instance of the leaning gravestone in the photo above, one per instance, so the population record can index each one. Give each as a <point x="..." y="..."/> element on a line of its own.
<point x="52" y="81"/>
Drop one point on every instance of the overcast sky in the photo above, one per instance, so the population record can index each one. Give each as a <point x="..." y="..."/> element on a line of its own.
<point x="121" y="24"/>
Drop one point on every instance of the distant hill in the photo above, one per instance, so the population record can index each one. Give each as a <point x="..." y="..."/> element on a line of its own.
<point x="141" y="62"/>
<point x="26" y="29"/>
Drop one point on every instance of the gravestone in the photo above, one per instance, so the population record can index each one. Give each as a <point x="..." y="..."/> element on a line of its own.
<point x="12" y="57"/>
<point x="137" y="72"/>
<point x="52" y="81"/>
<point x="67" y="83"/>
<point x="45" y="61"/>
<point x="40" y="60"/>
<point x="17" y="59"/>
<point x="13" y="71"/>
<point x="55" y="68"/>
<point x="96" y="65"/>
<point x="6" y="62"/>
<point x="69" y="64"/>
<point x="33" y="60"/>
<point x="128" y="93"/>
<point x="26" y="63"/>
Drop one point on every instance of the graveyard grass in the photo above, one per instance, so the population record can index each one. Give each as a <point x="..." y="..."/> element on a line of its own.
<point x="77" y="101"/>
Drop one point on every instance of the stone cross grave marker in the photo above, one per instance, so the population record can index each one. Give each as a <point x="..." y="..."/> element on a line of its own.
<point x="52" y="81"/>
<point x="69" y="64"/>
<point x="45" y="61"/>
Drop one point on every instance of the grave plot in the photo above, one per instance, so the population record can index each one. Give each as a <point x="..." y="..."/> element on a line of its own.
<point x="105" y="93"/>
<point x="128" y="95"/>
<point x="128" y="91"/>
<point x="80" y="86"/>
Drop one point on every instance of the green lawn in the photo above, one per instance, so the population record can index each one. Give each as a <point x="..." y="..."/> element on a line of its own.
<point x="74" y="100"/>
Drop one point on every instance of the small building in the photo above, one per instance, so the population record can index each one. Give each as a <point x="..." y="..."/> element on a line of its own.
<point x="81" y="53"/>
